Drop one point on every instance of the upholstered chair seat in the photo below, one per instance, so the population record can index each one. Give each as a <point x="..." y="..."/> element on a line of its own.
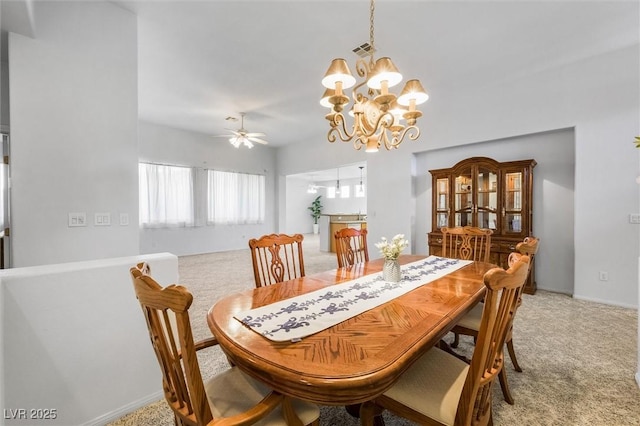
<point x="232" y="393"/>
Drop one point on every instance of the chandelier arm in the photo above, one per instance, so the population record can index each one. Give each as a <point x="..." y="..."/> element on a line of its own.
<point x="412" y="131"/>
<point x="358" y="143"/>
<point x="363" y="69"/>
<point x="361" y="136"/>
<point x="338" y="127"/>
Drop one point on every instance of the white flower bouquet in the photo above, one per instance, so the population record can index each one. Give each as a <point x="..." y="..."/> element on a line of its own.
<point x="390" y="250"/>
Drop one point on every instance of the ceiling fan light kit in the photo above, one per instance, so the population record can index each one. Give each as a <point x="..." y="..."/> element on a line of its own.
<point x="376" y="112"/>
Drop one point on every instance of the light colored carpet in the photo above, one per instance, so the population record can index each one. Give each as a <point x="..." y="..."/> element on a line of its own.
<point x="579" y="358"/>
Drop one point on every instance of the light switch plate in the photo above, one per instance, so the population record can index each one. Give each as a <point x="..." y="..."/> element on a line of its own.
<point x="77" y="219"/>
<point x="102" y="219"/>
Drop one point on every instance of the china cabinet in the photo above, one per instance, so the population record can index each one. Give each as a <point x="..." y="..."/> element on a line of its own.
<point x="482" y="192"/>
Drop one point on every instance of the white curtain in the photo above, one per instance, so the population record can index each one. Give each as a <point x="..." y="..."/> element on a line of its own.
<point x="166" y="195"/>
<point x="235" y="198"/>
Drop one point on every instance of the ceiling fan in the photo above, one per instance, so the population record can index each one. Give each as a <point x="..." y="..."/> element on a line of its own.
<point x="242" y="136"/>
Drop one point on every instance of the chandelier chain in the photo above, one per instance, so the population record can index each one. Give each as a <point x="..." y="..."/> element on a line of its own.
<point x="372" y="9"/>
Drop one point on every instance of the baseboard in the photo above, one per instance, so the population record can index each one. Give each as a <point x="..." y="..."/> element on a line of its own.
<point x="605" y="302"/>
<point x="124" y="410"/>
<point x="638" y="378"/>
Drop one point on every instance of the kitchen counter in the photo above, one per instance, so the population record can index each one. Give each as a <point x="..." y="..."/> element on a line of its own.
<point x="330" y="223"/>
<point x="348" y="221"/>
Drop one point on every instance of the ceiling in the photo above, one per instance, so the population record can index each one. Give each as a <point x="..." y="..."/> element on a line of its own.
<point x="345" y="171"/>
<point x="203" y="61"/>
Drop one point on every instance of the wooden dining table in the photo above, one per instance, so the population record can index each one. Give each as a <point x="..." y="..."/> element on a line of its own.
<point x="359" y="358"/>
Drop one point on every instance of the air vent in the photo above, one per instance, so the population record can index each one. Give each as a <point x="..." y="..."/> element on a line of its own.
<point x="364" y="50"/>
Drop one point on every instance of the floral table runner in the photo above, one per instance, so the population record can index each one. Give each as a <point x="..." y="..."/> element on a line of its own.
<point x="301" y="316"/>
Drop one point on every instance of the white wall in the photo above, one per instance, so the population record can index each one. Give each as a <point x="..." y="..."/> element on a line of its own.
<point x="298" y="218"/>
<point x="161" y="144"/>
<point x="73" y="99"/>
<point x="598" y="96"/>
<point x="82" y="347"/>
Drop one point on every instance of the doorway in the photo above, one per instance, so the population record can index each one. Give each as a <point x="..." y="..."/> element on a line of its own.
<point x="5" y="234"/>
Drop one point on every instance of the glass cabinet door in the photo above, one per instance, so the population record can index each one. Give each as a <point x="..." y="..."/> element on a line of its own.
<point x="442" y="202"/>
<point x="487" y="201"/>
<point x="463" y="203"/>
<point x="513" y="203"/>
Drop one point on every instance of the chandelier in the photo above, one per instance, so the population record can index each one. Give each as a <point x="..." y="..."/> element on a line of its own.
<point x="376" y="112"/>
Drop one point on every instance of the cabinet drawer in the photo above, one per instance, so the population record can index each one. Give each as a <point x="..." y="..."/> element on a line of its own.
<point x="508" y="246"/>
<point x="434" y="239"/>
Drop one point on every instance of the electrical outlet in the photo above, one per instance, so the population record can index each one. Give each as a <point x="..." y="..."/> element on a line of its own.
<point x="634" y="218"/>
<point x="124" y="219"/>
<point x="603" y="275"/>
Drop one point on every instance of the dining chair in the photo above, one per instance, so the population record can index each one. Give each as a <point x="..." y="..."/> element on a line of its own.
<point x="467" y="243"/>
<point x="440" y="388"/>
<point x="276" y="258"/>
<point x="231" y="396"/>
<point x="469" y="325"/>
<point x="351" y="246"/>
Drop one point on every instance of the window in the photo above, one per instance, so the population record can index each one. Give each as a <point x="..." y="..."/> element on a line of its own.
<point x="331" y="192"/>
<point x="360" y="191"/>
<point x="345" y="191"/>
<point x="166" y="195"/>
<point x="235" y="198"/>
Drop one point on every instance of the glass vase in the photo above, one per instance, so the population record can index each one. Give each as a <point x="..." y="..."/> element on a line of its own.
<point x="391" y="270"/>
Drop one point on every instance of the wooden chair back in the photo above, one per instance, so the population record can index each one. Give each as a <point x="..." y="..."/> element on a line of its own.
<point x="276" y="258"/>
<point x="528" y="247"/>
<point x="351" y="246"/>
<point x="501" y="297"/>
<point x="167" y="316"/>
<point x="467" y="243"/>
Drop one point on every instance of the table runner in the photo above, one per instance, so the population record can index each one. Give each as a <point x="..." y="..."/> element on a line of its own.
<point x="304" y="315"/>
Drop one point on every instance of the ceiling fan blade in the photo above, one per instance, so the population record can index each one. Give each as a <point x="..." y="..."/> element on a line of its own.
<point x="222" y="136"/>
<point x="234" y="131"/>
<point x="263" y="142"/>
<point x="259" y="134"/>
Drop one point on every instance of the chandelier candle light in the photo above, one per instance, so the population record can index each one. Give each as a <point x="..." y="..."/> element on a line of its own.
<point x="390" y="250"/>
<point x="377" y="114"/>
